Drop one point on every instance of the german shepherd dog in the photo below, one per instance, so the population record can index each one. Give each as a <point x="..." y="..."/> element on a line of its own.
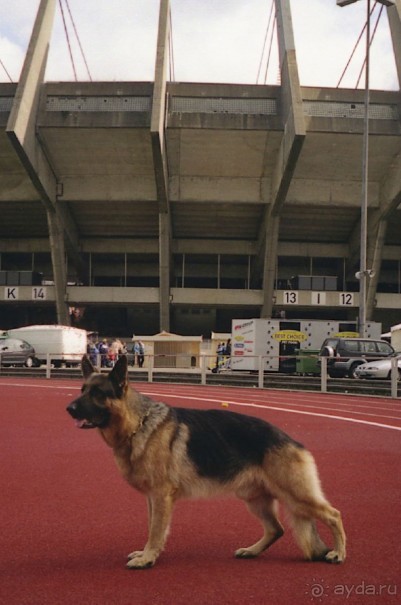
<point x="168" y="453"/>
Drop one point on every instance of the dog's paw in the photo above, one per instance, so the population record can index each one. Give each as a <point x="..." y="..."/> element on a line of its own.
<point x="333" y="556"/>
<point x="244" y="553"/>
<point x="320" y="555"/>
<point x="141" y="562"/>
<point x="135" y="553"/>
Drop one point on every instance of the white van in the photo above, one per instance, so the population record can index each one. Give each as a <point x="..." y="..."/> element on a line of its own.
<point x="64" y="344"/>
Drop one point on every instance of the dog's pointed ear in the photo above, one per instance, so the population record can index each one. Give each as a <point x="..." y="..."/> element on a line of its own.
<point x="87" y="367"/>
<point x="119" y="374"/>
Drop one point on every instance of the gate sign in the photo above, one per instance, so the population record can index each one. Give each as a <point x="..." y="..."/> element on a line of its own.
<point x="11" y="293"/>
<point x="289" y="336"/>
<point x="39" y="293"/>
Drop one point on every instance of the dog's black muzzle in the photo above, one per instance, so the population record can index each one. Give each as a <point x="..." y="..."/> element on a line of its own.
<point x="87" y="418"/>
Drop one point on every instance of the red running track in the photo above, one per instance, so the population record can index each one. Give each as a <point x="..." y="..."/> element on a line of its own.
<point x="68" y="519"/>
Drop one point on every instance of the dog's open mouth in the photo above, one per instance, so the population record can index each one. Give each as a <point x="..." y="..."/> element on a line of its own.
<point x="84" y="424"/>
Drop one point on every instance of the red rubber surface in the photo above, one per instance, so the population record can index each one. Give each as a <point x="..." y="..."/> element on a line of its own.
<point x="68" y="519"/>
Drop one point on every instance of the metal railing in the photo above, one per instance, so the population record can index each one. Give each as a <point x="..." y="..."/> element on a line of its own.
<point x="203" y="369"/>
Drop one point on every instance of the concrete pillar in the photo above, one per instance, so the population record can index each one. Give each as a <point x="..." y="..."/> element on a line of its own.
<point x="21" y="130"/>
<point x="270" y="266"/>
<point x="59" y="269"/>
<point x="394" y="19"/>
<point x="291" y="95"/>
<point x="164" y="271"/>
<point x="376" y="237"/>
<point x="157" y="131"/>
<point x="22" y="120"/>
<point x="157" y="124"/>
<point x="390" y="193"/>
<point x="290" y="148"/>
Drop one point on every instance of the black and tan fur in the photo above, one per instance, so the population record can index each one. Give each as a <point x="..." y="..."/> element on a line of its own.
<point x="169" y="453"/>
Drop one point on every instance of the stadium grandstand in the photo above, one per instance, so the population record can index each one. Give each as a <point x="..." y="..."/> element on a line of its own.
<point x="142" y="206"/>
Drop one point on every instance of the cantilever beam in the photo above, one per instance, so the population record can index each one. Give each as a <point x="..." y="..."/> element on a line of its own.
<point x="290" y="149"/>
<point x="22" y="134"/>
<point x="157" y="132"/>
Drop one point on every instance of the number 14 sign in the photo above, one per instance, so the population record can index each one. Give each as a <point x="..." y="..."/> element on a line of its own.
<point x="39" y="293"/>
<point x="13" y="293"/>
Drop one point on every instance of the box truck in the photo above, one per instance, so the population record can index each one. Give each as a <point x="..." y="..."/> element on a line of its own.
<point x="281" y="341"/>
<point x="64" y="344"/>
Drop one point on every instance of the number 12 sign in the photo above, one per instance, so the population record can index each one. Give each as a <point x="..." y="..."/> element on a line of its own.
<point x="346" y="299"/>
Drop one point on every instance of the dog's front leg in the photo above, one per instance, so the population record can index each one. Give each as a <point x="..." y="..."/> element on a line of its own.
<point x="139" y="553"/>
<point x="160" y="508"/>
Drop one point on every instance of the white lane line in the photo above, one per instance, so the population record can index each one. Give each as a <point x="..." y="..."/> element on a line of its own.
<point x="310" y="398"/>
<point x="274" y="396"/>
<point x="39" y="386"/>
<point x="254" y="405"/>
<point x="350" y="408"/>
<point x="279" y="409"/>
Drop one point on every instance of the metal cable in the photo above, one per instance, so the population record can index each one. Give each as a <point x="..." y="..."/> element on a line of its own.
<point x="354" y="50"/>
<point x="270" y="49"/>
<point x="78" y="40"/>
<point x="5" y="69"/>
<point x="370" y="42"/>
<point x="68" y="40"/>
<point x="265" y="40"/>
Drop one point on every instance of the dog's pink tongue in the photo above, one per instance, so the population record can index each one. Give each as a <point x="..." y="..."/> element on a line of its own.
<point x="80" y="423"/>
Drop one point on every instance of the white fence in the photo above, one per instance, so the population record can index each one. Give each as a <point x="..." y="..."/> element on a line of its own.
<point x="205" y="365"/>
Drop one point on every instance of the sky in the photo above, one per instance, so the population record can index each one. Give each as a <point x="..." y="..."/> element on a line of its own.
<point x="212" y="41"/>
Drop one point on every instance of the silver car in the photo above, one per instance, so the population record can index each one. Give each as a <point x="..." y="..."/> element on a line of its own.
<point x="378" y="369"/>
<point x="16" y="352"/>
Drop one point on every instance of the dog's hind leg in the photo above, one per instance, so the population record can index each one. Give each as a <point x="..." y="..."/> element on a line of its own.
<point x="294" y="479"/>
<point x="306" y="533"/>
<point x="264" y="507"/>
<point x="160" y="508"/>
<point x="307" y="503"/>
<point x="308" y="538"/>
<point x="331" y="517"/>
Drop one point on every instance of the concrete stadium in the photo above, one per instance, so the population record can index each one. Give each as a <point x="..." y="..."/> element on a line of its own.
<point x="137" y="207"/>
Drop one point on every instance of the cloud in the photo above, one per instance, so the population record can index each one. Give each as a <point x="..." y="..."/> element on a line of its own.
<point x="325" y="37"/>
<point x="213" y="41"/>
<point x="219" y="46"/>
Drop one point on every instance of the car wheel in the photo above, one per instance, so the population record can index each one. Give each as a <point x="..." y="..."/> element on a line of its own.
<point x="29" y="362"/>
<point x="351" y="372"/>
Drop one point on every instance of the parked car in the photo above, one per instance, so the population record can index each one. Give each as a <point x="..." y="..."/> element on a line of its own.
<point x="16" y="352"/>
<point x="346" y="354"/>
<point x="378" y="369"/>
<point x="64" y="344"/>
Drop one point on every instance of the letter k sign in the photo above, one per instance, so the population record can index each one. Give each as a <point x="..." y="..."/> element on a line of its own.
<point x="11" y="293"/>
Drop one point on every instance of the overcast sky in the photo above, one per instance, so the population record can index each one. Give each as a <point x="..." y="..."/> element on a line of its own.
<point x="213" y="41"/>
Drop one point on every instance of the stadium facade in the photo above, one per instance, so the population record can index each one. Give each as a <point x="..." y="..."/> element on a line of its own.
<point x="147" y="206"/>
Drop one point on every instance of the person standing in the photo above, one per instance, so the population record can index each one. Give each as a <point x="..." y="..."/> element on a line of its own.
<point x="136" y="353"/>
<point x="141" y="353"/>
<point x="104" y="352"/>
